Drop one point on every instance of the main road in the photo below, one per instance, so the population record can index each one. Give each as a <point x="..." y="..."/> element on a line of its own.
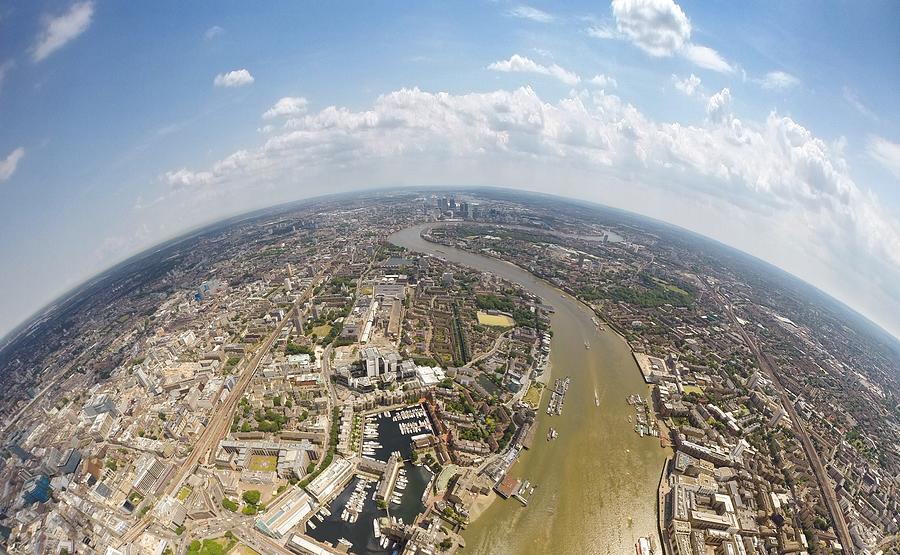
<point x="597" y="482"/>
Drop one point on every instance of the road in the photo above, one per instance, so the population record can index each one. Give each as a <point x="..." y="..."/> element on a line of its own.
<point x="31" y="403"/>
<point x="831" y="500"/>
<point x="261" y="542"/>
<point x="497" y="344"/>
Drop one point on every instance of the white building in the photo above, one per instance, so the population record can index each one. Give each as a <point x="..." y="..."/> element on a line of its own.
<point x="331" y="480"/>
<point x="289" y="510"/>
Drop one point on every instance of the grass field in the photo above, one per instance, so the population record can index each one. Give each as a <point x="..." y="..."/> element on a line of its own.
<point x="183" y="493"/>
<point x="533" y="397"/>
<point x="692" y="389"/>
<point x="322" y="331"/>
<point x="263" y="462"/>
<point x="495" y="320"/>
<point x="242" y="549"/>
<point x="219" y="546"/>
<point x="670" y="287"/>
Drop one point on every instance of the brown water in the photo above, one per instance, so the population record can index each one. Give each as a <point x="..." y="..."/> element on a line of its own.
<point x="597" y="482"/>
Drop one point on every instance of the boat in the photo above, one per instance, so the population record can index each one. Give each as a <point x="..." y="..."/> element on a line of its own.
<point x="643" y="547"/>
<point x="311" y="524"/>
<point x="376" y="527"/>
<point x="587" y="345"/>
<point x="551" y="434"/>
<point x="596" y="398"/>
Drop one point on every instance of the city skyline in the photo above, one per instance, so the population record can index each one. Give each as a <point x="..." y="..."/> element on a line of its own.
<point x="713" y="118"/>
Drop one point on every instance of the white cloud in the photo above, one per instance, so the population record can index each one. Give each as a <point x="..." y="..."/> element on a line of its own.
<point x="707" y="58"/>
<point x="533" y="14"/>
<point x="236" y="78"/>
<point x="521" y="64"/>
<point x="852" y="99"/>
<point x="9" y="164"/>
<point x="603" y="81"/>
<point x="658" y="27"/>
<point x="287" y="106"/>
<point x="213" y="32"/>
<point x="886" y="153"/>
<point x="59" y="30"/>
<point x="661" y="29"/>
<point x="688" y="85"/>
<point x="718" y="105"/>
<point x="779" y="80"/>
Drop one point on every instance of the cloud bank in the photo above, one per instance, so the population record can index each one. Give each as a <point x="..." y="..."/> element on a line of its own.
<point x="775" y="169"/>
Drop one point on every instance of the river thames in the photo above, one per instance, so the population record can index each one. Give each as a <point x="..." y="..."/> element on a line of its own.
<point x="597" y="482"/>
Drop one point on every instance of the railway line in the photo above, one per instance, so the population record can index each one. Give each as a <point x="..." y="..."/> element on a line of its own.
<point x="831" y="501"/>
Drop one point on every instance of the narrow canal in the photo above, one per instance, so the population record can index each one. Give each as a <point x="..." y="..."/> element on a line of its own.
<point x="596" y="483"/>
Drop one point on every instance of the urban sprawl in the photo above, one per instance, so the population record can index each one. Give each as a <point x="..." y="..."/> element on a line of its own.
<point x="294" y="382"/>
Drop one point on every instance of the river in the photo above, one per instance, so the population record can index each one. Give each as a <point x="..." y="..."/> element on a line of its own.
<point x="597" y="482"/>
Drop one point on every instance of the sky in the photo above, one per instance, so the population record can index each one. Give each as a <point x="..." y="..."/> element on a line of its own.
<point x="773" y="126"/>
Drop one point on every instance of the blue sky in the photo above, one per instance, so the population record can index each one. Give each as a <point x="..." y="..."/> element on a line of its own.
<point x="771" y="127"/>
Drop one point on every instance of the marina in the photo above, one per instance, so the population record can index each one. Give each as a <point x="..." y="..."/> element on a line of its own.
<point x="351" y="518"/>
<point x="389" y="431"/>
<point x="352" y="515"/>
